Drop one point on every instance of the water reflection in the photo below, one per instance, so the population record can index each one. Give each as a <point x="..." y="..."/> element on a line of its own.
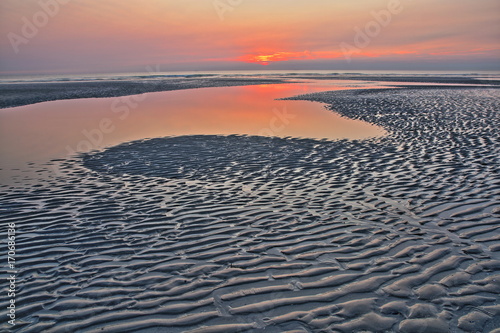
<point x="56" y="129"/>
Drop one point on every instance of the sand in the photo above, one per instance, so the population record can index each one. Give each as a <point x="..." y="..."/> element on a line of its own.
<point x="17" y="94"/>
<point x="245" y="233"/>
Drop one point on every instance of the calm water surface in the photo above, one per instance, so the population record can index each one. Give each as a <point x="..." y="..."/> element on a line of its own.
<point x="41" y="132"/>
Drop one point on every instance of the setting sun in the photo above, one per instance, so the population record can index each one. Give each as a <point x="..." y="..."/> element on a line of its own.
<point x="266" y="59"/>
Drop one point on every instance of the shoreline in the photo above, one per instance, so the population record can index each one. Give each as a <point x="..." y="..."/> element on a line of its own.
<point x="15" y="94"/>
<point x="20" y="94"/>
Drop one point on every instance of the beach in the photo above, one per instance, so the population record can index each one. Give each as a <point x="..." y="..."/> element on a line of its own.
<point x="24" y="92"/>
<point x="397" y="231"/>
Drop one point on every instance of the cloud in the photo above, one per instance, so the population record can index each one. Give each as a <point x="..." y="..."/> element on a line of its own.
<point x="117" y="35"/>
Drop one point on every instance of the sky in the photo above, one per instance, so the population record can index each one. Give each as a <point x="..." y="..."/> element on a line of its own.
<point x="107" y="36"/>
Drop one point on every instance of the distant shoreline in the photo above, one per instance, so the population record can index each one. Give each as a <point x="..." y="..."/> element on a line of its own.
<point x="21" y="94"/>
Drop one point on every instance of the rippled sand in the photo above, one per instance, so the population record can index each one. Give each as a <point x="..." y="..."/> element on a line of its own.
<point x="235" y="233"/>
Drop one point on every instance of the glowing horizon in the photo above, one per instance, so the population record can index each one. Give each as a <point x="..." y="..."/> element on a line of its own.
<point x="56" y="36"/>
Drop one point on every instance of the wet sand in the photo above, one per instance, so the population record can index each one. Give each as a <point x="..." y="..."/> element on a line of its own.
<point x="18" y="94"/>
<point x="260" y="234"/>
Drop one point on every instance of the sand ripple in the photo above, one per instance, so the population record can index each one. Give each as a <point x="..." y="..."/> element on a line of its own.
<point x="233" y="234"/>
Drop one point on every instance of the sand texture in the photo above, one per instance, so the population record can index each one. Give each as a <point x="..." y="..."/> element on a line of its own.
<point x="236" y="233"/>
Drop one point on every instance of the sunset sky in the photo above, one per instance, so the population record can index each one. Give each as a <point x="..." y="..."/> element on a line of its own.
<point x="91" y="36"/>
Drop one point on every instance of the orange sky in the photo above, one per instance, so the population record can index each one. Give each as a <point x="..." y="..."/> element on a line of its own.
<point x="128" y="35"/>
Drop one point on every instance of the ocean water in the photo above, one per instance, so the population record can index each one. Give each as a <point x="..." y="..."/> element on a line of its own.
<point x="158" y="74"/>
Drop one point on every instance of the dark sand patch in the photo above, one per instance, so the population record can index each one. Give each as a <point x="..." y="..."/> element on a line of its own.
<point x="17" y="94"/>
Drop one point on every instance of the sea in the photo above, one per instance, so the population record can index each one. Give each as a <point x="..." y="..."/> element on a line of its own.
<point x="161" y="75"/>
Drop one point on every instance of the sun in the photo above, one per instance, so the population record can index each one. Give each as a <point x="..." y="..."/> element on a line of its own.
<point x="266" y="59"/>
